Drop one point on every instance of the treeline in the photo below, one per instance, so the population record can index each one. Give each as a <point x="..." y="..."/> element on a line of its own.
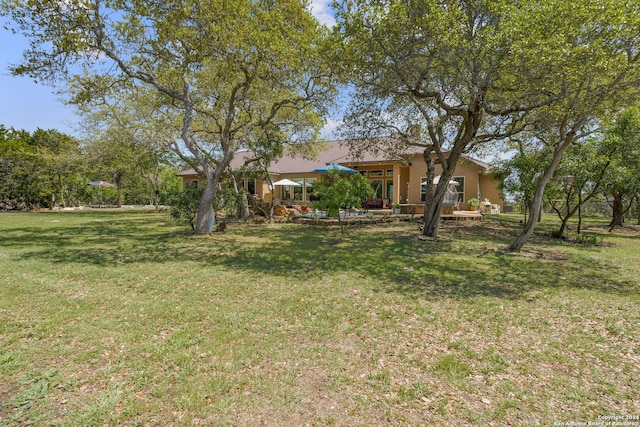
<point x="604" y="168"/>
<point x="49" y="169"/>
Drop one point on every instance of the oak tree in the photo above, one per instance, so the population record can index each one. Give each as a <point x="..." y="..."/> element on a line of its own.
<point x="439" y="75"/>
<point x="592" y="54"/>
<point x="226" y="70"/>
<point x="449" y="76"/>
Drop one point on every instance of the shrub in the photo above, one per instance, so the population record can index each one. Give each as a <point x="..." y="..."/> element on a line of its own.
<point x="184" y="205"/>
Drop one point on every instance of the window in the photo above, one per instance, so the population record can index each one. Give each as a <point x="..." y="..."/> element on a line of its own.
<point x="459" y="188"/>
<point x="389" y="185"/>
<point x="285" y="192"/>
<point x="377" y="172"/>
<point x="376" y="184"/>
<point x="389" y="172"/>
<point x="298" y="190"/>
<point x="194" y="183"/>
<point x="250" y="185"/>
<point x="308" y="188"/>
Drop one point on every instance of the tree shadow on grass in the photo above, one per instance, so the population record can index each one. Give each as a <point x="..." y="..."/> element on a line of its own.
<point x="468" y="261"/>
<point x="445" y="268"/>
<point x="399" y="262"/>
<point x="512" y="277"/>
<point x="627" y="231"/>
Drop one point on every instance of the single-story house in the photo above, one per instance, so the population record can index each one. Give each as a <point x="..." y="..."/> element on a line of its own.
<point x="395" y="180"/>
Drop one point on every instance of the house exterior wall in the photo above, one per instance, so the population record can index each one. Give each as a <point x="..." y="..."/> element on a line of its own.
<point x="262" y="190"/>
<point x="405" y="187"/>
<point x="489" y="190"/>
<point x="476" y="183"/>
<point x="400" y="182"/>
<point x="192" y="180"/>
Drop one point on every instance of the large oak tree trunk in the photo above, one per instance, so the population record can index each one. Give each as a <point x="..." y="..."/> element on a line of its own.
<point x="431" y="207"/>
<point x="467" y="129"/>
<point x="534" y="215"/>
<point x="618" y="212"/>
<point x="206" y="215"/>
<point x="435" y="199"/>
<point x="432" y="215"/>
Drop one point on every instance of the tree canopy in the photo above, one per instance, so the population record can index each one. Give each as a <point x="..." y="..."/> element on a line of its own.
<point x="621" y="145"/>
<point x="337" y="189"/>
<point x="451" y="75"/>
<point x="594" y="60"/>
<point x="230" y="72"/>
<point x="441" y="74"/>
<point x="38" y="168"/>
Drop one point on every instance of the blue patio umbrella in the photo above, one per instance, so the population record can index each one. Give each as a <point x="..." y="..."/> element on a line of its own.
<point x="337" y="167"/>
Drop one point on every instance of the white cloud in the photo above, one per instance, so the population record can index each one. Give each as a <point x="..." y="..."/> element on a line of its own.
<point x="329" y="130"/>
<point x="321" y="9"/>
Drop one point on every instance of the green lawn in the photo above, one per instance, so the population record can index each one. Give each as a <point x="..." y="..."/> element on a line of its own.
<point x="121" y="318"/>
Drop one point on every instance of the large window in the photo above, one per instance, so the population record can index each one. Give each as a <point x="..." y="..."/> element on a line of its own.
<point x="459" y="188"/>
<point x="285" y="191"/>
<point x="376" y="184"/>
<point x="250" y="185"/>
<point x="308" y="188"/>
<point x="298" y="190"/>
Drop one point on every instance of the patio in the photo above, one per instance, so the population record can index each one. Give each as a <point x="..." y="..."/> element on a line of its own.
<point x="462" y="216"/>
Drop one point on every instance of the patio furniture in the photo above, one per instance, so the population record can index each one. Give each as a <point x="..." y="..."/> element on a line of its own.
<point x="376" y="203"/>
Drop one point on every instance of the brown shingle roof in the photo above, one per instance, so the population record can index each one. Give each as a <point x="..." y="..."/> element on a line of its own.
<point x="332" y="152"/>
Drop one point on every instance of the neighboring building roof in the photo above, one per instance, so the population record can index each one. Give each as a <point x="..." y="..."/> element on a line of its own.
<point x="333" y="152"/>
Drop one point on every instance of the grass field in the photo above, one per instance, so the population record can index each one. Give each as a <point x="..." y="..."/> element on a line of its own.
<point x="120" y="318"/>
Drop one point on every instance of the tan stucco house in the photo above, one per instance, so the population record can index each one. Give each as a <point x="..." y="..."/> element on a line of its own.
<point x="395" y="180"/>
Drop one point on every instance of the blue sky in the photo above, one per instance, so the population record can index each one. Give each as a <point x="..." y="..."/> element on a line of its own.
<point x="23" y="103"/>
<point x="27" y="105"/>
